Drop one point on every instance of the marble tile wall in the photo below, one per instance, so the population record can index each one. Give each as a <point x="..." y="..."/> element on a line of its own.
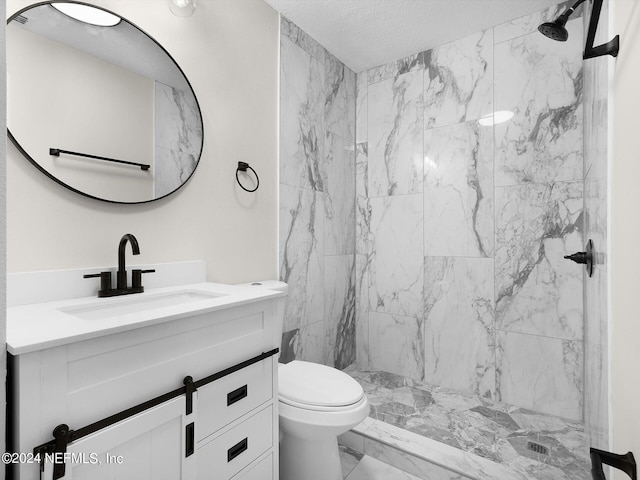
<point x="461" y="228"/>
<point x="433" y="247"/>
<point x="178" y="136"/>
<point x="317" y="201"/>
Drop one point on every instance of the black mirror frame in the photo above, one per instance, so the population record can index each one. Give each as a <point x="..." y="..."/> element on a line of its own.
<point x="73" y="189"/>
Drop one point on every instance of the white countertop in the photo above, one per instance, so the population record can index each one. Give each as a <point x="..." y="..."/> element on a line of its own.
<point x="44" y="325"/>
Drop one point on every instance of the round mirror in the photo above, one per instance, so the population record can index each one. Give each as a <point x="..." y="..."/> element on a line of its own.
<point x="103" y="110"/>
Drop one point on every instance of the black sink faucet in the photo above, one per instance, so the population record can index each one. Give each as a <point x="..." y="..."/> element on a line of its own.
<point x="106" y="289"/>
<point x="122" y="270"/>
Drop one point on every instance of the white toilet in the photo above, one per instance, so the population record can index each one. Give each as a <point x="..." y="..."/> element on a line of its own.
<point x="316" y="404"/>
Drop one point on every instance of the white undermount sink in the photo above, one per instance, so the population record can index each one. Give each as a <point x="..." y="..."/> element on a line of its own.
<point x="137" y="303"/>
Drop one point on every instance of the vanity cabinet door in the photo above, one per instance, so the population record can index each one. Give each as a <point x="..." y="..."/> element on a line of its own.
<point x="148" y="446"/>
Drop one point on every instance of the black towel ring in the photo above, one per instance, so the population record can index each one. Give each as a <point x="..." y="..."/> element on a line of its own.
<point x="243" y="167"/>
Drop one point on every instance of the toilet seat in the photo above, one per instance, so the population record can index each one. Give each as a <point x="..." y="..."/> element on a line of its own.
<point x="312" y="386"/>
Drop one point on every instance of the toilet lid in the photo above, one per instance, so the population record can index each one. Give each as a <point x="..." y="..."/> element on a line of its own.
<point x="309" y="383"/>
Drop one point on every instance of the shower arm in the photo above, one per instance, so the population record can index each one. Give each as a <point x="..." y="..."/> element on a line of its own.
<point x="570" y="11"/>
<point x="610" y="48"/>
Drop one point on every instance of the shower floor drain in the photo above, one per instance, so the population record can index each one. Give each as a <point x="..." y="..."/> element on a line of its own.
<point x="538" y="448"/>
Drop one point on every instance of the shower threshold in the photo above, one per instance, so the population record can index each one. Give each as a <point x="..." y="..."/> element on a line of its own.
<point x="433" y="432"/>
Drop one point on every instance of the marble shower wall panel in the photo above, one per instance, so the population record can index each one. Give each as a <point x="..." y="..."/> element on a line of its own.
<point x="395" y="69"/>
<point x="396" y="267"/>
<point x="541" y="373"/>
<point x="339" y="104"/>
<point x="339" y="197"/>
<point x="304" y="343"/>
<point x="458" y="190"/>
<point x="537" y="291"/>
<point x="317" y="201"/>
<point x="501" y="207"/>
<point x="362" y="311"/>
<point x="459" y="80"/>
<point x="302" y="255"/>
<point x="302" y="124"/>
<point x="541" y="84"/>
<point x="396" y="344"/>
<point x="395" y="135"/>
<point x="459" y="312"/>
<point x="363" y="210"/>
<point x="339" y="311"/>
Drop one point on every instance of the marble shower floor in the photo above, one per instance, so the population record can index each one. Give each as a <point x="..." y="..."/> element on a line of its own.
<point x="489" y="429"/>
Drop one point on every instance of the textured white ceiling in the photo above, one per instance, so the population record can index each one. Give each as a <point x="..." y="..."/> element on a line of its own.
<point x="367" y="33"/>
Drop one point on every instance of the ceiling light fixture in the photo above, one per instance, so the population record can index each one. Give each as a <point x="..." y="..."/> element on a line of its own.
<point x="182" y="8"/>
<point x="495" y="118"/>
<point x="87" y="14"/>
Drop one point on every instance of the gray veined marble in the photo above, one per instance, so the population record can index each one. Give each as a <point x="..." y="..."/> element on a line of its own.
<point x="303" y="127"/>
<point x="395" y="124"/>
<point x="301" y="255"/>
<point x="178" y="134"/>
<point x="299" y="37"/>
<point x="339" y="311"/>
<point x="489" y="437"/>
<point x="340" y="91"/>
<point x="541" y="373"/>
<point x="396" y="278"/>
<point x="317" y="198"/>
<point x="537" y="290"/>
<point x="542" y="85"/>
<point x="395" y="69"/>
<point x="304" y="343"/>
<point x="362" y="311"/>
<point x="459" y="80"/>
<point x="362" y="98"/>
<point x="396" y="344"/>
<point x="458" y="190"/>
<point x="173" y="168"/>
<point x="177" y="125"/>
<point x="459" y="324"/>
<point x="339" y="197"/>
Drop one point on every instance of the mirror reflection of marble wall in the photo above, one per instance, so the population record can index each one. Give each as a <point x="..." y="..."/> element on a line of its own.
<point x="177" y="137"/>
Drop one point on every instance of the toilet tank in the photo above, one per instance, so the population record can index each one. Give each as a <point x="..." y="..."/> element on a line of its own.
<point x="280" y="287"/>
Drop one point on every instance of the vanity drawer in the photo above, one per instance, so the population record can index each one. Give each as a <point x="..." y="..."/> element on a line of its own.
<point x="227" y="454"/>
<point x="224" y="400"/>
<point x="262" y="470"/>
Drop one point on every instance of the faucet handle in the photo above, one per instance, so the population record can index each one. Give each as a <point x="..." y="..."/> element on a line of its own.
<point x="136" y="277"/>
<point x="105" y="279"/>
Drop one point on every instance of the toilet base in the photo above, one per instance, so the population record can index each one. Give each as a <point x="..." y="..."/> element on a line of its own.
<point x="304" y="459"/>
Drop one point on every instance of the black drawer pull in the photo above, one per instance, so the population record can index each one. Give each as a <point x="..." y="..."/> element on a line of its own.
<point x="237" y="449"/>
<point x="236" y="395"/>
<point x="190" y="440"/>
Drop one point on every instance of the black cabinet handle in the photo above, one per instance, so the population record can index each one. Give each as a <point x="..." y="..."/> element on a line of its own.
<point x="236" y="395"/>
<point x="237" y="449"/>
<point x="190" y="440"/>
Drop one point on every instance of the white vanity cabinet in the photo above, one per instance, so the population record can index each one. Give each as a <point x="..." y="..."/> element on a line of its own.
<point x="231" y="432"/>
